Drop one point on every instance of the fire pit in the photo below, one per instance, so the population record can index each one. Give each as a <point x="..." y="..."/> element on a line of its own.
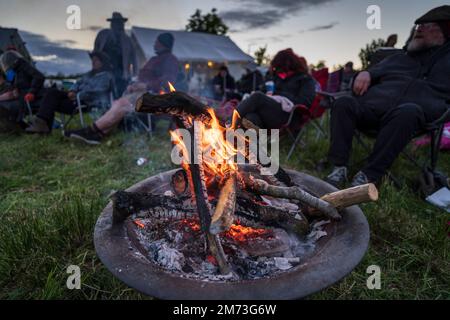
<point x="334" y="256"/>
<point x="218" y="230"/>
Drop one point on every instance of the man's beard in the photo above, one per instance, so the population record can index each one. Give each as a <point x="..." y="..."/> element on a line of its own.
<point x="417" y="45"/>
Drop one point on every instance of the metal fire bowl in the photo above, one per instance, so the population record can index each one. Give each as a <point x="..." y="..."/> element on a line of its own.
<point x="336" y="255"/>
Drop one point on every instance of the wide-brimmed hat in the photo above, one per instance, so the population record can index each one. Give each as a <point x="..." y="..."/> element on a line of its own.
<point x="117" y="16"/>
<point x="438" y="14"/>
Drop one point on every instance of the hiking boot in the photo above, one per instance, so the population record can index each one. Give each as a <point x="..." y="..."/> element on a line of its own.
<point x="337" y="177"/>
<point x="38" y="126"/>
<point x="88" y="135"/>
<point x="359" y="179"/>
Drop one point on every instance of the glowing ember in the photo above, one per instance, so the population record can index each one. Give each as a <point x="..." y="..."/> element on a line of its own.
<point x="242" y="234"/>
<point x="193" y="225"/>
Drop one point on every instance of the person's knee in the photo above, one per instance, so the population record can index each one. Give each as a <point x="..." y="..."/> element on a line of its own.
<point x="408" y="112"/>
<point x="344" y="105"/>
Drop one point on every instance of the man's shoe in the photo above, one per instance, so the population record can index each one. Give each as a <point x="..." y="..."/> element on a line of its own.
<point x="38" y="126"/>
<point x="337" y="177"/>
<point x="88" y="135"/>
<point x="359" y="179"/>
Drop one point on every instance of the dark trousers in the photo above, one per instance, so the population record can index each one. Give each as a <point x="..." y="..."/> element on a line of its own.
<point x="263" y="111"/>
<point x="55" y="101"/>
<point x="395" y="129"/>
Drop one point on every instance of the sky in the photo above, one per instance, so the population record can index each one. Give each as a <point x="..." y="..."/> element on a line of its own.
<point x="330" y="30"/>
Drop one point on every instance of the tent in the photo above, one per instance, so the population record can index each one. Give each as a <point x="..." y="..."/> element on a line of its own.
<point x="9" y="37"/>
<point x="193" y="48"/>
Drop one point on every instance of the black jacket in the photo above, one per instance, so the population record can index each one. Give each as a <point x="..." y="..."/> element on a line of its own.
<point x="28" y="79"/>
<point x="299" y="88"/>
<point x="420" y="78"/>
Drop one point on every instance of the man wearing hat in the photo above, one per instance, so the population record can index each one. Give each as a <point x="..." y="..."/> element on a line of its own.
<point x="153" y="77"/>
<point x="118" y="46"/>
<point x="93" y="89"/>
<point x="396" y="98"/>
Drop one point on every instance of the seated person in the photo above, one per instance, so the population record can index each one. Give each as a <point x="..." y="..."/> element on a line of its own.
<point x="341" y="79"/>
<point x="395" y="98"/>
<point x="153" y="77"/>
<point x="293" y="86"/>
<point x="9" y="105"/>
<point x="251" y="81"/>
<point x="93" y="88"/>
<point x="26" y="81"/>
<point x="224" y="85"/>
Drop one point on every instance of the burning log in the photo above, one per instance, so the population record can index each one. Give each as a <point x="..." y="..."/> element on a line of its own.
<point x="179" y="183"/>
<point x="127" y="203"/>
<point x="349" y="197"/>
<point x="223" y="216"/>
<point x="177" y="104"/>
<point x="261" y="187"/>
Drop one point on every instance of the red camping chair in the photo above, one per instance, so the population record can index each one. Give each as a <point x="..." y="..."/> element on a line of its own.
<point x="307" y="115"/>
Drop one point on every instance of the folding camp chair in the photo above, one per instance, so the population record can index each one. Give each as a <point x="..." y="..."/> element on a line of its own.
<point x="83" y="109"/>
<point x="312" y="115"/>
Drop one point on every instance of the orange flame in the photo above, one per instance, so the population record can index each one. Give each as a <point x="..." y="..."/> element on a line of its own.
<point x="171" y="87"/>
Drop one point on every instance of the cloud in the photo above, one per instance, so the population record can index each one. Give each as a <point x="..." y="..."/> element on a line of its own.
<point x="250" y="16"/>
<point x="275" y="38"/>
<point x="54" y="57"/>
<point x="93" y="28"/>
<point x="321" y="27"/>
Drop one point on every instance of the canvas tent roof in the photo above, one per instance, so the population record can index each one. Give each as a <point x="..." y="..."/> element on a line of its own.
<point x="192" y="46"/>
<point x="10" y="37"/>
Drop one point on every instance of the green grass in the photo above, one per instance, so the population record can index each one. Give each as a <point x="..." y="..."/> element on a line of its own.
<point x="52" y="191"/>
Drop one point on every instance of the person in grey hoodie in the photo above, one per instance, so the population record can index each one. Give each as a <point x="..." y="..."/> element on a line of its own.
<point x="93" y="89"/>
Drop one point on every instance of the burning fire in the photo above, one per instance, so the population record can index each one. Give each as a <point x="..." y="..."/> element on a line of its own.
<point x="218" y="155"/>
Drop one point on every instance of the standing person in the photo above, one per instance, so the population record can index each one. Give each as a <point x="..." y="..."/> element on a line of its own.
<point x="292" y="86"/>
<point x="153" y="77"/>
<point x="396" y="97"/>
<point x="93" y="88"/>
<point x="224" y="84"/>
<point x="119" y="48"/>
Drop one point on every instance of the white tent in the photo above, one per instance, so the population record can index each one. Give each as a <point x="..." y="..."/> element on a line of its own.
<point x="192" y="47"/>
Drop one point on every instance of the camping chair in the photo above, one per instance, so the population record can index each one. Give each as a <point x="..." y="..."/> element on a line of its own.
<point x="312" y="115"/>
<point x="431" y="179"/>
<point x="82" y="109"/>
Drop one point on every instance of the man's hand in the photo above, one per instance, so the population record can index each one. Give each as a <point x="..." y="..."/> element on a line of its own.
<point x="29" y="97"/>
<point x="72" y="95"/>
<point x="362" y="83"/>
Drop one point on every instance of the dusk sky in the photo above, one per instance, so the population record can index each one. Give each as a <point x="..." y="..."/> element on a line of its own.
<point x="332" y="30"/>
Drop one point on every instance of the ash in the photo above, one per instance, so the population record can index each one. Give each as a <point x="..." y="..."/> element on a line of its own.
<point x="179" y="246"/>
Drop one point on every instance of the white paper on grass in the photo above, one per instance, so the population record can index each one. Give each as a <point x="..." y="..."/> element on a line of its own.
<point x="441" y="199"/>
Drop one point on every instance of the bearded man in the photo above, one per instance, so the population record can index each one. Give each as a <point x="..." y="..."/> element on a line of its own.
<point x="396" y="98"/>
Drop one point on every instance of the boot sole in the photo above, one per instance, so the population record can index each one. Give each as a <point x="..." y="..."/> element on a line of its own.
<point x="78" y="137"/>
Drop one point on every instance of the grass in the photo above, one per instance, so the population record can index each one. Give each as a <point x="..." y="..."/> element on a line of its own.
<point x="52" y="191"/>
